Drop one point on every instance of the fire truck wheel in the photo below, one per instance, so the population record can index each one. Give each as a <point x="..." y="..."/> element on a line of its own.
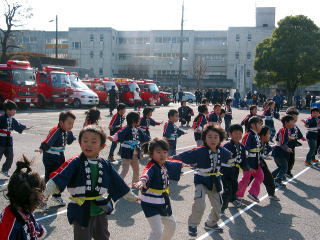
<point x="76" y="103"/>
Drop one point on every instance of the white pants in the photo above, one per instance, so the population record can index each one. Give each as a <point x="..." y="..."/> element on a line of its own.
<point x="159" y="233"/>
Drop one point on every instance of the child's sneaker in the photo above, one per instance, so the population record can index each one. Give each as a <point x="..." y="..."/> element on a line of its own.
<point x="280" y="185"/>
<point x="5" y="173"/>
<point x="307" y="163"/>
<point x="215" y="227"/>
<point x="237" y="203"/>
<point x="253" y="198"/>
<point x="43" y="206"/>
<point x="222" y="213"/>
<point x="274" y="198"/>
<point x="59" y="201"/>
<point x="289" y="174"/>
<point x="192" y="230"/>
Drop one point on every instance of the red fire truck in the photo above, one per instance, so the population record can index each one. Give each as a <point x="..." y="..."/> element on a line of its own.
<point x="53" y="86"/>
<point x="149" y="92"/>
<point x="18" y="83"/>
<point x="97" y="85"/>
<point x="126" y="87"/>
<point x="165" y="98"/>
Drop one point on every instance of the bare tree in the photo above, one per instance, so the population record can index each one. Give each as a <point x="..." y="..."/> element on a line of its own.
<point x="14" y="13"/>
<point x="199" y="70"/>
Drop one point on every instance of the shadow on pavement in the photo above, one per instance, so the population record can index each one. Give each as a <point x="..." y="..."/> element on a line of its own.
<point x="175" y="190"/>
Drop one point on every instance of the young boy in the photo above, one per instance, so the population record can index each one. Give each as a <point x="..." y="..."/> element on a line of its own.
<point x="269" y="114"/>
<point x="171" y="132"/>
<point x="252" y="143"/>
<point x="130" y="138"/>
<point x="312" y="125"/>
<point x="53" y="148"/>
<point x="253" y="112"/>
<point x="198" y="124"/>
<point x="228" y="115"/>
<point x="185" y="113"/>
<point x="92" y="182"/>
<point x="230" y="170"/>
<point x="214" y="117"/>
<point x="205" y="101"/>
<point x="114" y="126"/>
<point x="7" y="124"/>
<point x="281" y="151"/>
<point x="146" y="121"/>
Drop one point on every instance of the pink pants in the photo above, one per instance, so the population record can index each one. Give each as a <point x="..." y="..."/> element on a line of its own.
<point x="255" y="186"/>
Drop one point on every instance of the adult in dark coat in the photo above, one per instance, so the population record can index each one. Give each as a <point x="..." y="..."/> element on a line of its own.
<point x="112" y="96"/>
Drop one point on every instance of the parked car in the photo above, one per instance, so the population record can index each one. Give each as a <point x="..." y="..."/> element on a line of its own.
<point x="189" y="97"/>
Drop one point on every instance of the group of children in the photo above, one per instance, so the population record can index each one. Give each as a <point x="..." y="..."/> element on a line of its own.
<point x="94" y="184"/>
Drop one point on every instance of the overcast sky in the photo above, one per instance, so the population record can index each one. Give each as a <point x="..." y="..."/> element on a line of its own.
<point x="159" y="14"/>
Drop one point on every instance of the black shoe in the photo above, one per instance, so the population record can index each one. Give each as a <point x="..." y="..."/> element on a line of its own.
<point x="253" y="198"/>
<point x="192" y="230"/>
<point x="215" y="227"/>
<point x="289" y="174"/>
<point x="280" y="185"/>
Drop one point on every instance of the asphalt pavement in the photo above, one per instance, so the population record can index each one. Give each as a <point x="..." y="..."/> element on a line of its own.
<point x="295" y="217"/>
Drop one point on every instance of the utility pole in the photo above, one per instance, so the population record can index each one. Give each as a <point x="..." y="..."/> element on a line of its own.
<point x="181" y="49"/>
<point x="56" y="36"/>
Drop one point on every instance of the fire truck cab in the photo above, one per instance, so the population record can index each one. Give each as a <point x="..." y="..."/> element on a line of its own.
<point x="98" y="87"/>
<point x="18" y="83"/>
<point x="149" y="92"/>
<point x="126" y="87"/>
<point x="54" y="86"/>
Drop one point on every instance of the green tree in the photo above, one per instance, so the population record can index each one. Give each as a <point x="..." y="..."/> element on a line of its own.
<point x="291" y="57"/>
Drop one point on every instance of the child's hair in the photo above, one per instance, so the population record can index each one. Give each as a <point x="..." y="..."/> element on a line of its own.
<point x="9" y="105"/>
<point x="204" y="101"/>
<point x="252" y="107"/>
<point x="121" y="106"/>
<point x="264" y="131"/>
<point x="147" y="110"/>
<point x="172" y="112"/>
<point x="254" y="120"/>
<point x="132" y="117"/>
<point x="92" y="115"/>
<point x="222" y="111"/>
<point x="209" y="128"/>
<point x="202" y="109"/>
<point x="228" y="101"/>
<point x="149" y="147"/>
<point x="182" y="102"/>
<point x="94" y="129"/>
<point x="25" y="187"/>
<point x="217" y="105"/>
<point x="66" y="114"/>
<point x="270" y="103"/>
<point x="292" y="111"/>
<point x="314" y="110"/>
<point x="286" y="118"/>
<point x="235" y="127"/>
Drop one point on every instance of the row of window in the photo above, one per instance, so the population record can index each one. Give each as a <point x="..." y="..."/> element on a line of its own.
<point x="249" y="37"/>
<point x="132" y="40"/>
<point x="211" y="57"/>
<point x="249" y="55"/>
<point x="168" y="72"/>
<point x="210" y="40"/>
<point x="248" y="73"/>
<point x="101" y="37"/>
<point x="170" y="39"/>
<point x="124" y="56"/>
<point x="171" y="55"/>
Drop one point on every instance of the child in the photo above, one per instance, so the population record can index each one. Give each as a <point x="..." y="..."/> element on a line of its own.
<point x="7" y="124"/>
<point x="130" y="138"/>
<point x="25" y="195"/>
<point x="312" y="125"/>
<point x="53" y="148"/>
<point x="269" y="114"/>
<point x="251" y="141"/>
<point x="185" y="113"/>
<point x="154" y="182"/>
<point x="230" y="170"/>
<point x="114" y="126"/>
<point x="171" y="132"/>
<point x="228" y="115"/>
<point x="268" y="180"/>
<point x="198" y="124"/>
<point x="296" y="133"/>
<point x="207" y="180"/>
<point x="92" y="117"/>
<point x="214" y="118"/>
<point x="205" y="101"/>
<point x="253" y="112"/>
<point x="147" y="121"/>
<point x="92" y="182"/>
<point x="281" y="151"/>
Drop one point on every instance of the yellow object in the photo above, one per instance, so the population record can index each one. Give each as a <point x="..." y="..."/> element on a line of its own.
<point x="80" y="200"/>
<point x="213" y="174"/>
<point x="255" y="150"/>
<point x="167" y="190"/>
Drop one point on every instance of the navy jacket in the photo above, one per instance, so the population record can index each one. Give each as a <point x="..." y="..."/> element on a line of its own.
<point x="145" y="123"/>
<point x="7" y="125"/>
<point x="252" y="143"/>
<point x="172" y="132"/>
<point x="201" y="158"/>
<point x="73" y="176"/>
<point x="238" y="159"/>
<point x="312" y="125"/>
<point x="269" y="115"/>
<point x="198" y="124"/>
<point x="116" y="123"/>
<point x="214" y="118"/>
<point x="282" y="139"/>
<point x="228" y="116"/>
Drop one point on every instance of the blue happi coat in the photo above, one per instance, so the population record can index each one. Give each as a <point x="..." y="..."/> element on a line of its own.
<point x="7" y="125"/>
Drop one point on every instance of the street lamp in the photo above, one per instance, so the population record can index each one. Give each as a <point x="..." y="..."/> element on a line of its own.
<point x="56" y="34"/>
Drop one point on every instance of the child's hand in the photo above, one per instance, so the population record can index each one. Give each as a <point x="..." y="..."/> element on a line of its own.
<point x="27" y="128"/>
<point x="303" y="139"/>
<point x="140" y="184"/>
<point x="110" y="138"/>
<point x="38" y="150"/>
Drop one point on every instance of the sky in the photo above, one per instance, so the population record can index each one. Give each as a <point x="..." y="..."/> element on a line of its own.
<point x="158" y="14"/>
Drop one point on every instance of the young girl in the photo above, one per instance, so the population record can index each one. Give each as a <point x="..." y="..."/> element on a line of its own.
<point x="92" y="117"/>
<point x="25" y="195"/>
<point x="269" y="114"/>
<point x="207" y="179"/>
<point x="92" y="183"/>
<point x="154" y="182"/>
<point x="130" y="138"/>
<point x="198" y="124"/>
<point x="146" y="121"/>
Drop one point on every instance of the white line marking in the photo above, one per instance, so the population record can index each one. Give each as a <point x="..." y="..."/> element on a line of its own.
<point x="207" y="234"/>
<point x="51" y="215"/>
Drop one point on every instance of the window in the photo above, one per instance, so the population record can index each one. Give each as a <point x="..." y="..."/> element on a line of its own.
<point x="235" y="73"/>
<point x="248" y="73"/>
<point x="101" y="37"/>
<point x="237" y="55"/>
<point x="265" y="25"/>
<point x="237" y="37"/>
<point x="4" y="76"/>
<point x="248" y="55"/>
<point x="91" y="54"/>
<point x="173" y="39"/>
<point x="249" y="37"/>
<point x="122" y="40"/>
<point x="43" y="78"/>
<point x="100" y="71"/>
<point x="166" y="39"/>
<point x="101" y="54"/>
<point x="76" y="45"/>
<point x="91" y="37"/>
<point x="158" y="39"/>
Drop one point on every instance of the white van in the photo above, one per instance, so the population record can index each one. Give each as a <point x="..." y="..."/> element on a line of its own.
<point x="82" y="94"/>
